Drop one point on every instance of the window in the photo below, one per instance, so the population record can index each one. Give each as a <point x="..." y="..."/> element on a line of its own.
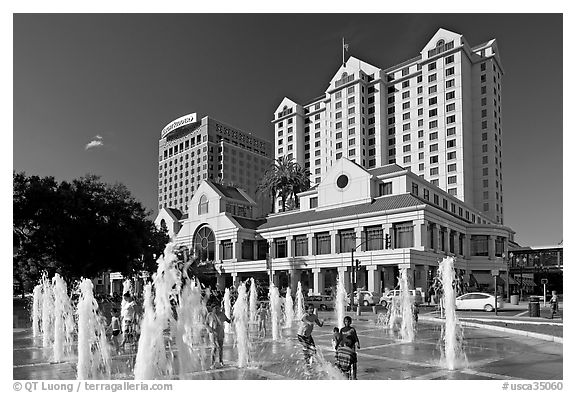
<point x="322" y="241"/>
<point x="432" y="89"/>
<point x="433" y="124"/>
<point x="451" y="119"/>
<point x="374" y="238"/>
<point x="203" y="205"/>
<point x="227" y="249"/>
<point x="301" y="244"/>
<point x="403" y="235"/>
<point x="406" y="148"/>
<point x="433" y="112"/>
<point x="415" y="188"/>
<point x="385" y="188"/>
<point x="432" y="66"/>
<point x="452" y="168"/>
<point x="451" y="143"/>
<point x="449" y="59"/>
<point x="433" y="101"/>
<point x="450" y="71"/>
<point x="434" y="147"/>
<point x="479" y="245"/>
<point x="434" y="160"/>
<point x="434" y="171"/>
<point x="451" y="179"/>
<point x="431" y="78"/>
<point x="450" y="131"/>
<point x="405" y="84"/>
<point x="451" y="107"/>
<point x="346" y="240"/>
<point x="406" y="94"/>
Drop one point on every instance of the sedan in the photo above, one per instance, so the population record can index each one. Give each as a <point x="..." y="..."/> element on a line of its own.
<point x="321" y="302"/>
<point x="477" y="301"/>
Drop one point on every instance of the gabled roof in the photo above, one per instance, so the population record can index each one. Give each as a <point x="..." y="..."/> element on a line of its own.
<point x="381" y="204"/>
<point x="229" y="192"/>
<point x="175" y="212"/>
<point x="249" y="223"/>
<point x="386" y="169"/>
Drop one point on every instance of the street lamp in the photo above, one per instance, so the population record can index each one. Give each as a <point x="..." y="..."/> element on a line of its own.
<point x="521" y="277"/>
<point x="507" y="273"/>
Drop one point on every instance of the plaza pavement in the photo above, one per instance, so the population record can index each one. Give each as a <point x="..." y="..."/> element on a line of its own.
<point x="490" y="354"/>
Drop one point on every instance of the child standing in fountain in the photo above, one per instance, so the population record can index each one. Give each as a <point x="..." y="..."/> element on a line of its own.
<point x="128" y="314"/>
<point x="215" y="324"/>
<point x="350" y="340"/>
<point x="305" y="333"/>
<point x="262" y="315"/>
<point x="115" y="329"/>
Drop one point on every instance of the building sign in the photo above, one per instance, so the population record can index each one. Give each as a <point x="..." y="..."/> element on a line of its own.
<point x="181" y="121"/>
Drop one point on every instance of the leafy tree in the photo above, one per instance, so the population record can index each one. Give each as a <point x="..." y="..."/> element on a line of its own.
<point x="80" y="229"/>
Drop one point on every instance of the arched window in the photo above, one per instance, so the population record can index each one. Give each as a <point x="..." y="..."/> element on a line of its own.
<point x="203" y="205"/>
<point x="163" y="224"/>
<point x="440" y="43"/>
<point x="344" y="74"/>
<point x="204" y="244"/>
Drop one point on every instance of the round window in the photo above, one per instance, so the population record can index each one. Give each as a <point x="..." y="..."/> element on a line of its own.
<point x="342" y="181"/>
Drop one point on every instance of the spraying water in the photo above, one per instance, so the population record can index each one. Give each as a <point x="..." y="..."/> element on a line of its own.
<point x="145" y="367"/>
<point x="340" y="302"/>
<point x="275" y="311"/>
<point x="63" y="319"/>
<point x="187" y="326"/>
<point x="227" y="310"/>
<point x="394" y="314"/>
<point x="288" y="309"/>
<point x="454" y="355"/>
<point x="299" y="302"/>
<point x="240" y="313"/>
<point x="407" y="326"/>
<point x="37" y="310"/>
<point x="47" y="311"/>
<point x="167" y="283"/>
<point x="253" y="301"/>
<point x="93" y="349"/>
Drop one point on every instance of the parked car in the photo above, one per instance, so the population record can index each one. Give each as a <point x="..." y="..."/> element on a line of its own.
<point x="477" y="301"/>
<point x="415" y="294"/>
<point x="368" y="298"/>
<point x="321" y="302"/>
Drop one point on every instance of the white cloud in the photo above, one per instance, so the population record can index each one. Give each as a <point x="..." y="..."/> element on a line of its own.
<point x="97" y="141"/>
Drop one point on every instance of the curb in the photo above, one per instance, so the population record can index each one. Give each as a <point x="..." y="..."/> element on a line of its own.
<point x="540" y="336"/>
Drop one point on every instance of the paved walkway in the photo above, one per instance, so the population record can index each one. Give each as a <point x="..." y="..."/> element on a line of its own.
<point x="490" y="355"/>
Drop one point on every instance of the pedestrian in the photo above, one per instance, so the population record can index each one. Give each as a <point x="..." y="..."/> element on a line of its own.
<point x="336" y="338"/>
<point x="128" y="314"/>
<point x="215" y="325"/>
<point x="553" y="304"/>
<point x="350" y="340"/>
<point x="305" y="333"/>
<point x="261" y="317"/>
<point x="415" y="312"/>
<point x="115" y="328"/>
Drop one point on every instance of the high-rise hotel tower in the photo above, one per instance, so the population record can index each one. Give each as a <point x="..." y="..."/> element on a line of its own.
<point x="191" y="151"/>
<point x="438" y="114"/>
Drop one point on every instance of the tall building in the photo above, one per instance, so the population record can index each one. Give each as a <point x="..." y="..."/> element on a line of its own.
<point x="191" y="151"/>
<point x="438" y="115"/>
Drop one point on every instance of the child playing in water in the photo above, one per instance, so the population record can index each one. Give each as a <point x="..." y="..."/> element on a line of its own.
<point x="115" y="328"/>
<point x="336" y="338"/>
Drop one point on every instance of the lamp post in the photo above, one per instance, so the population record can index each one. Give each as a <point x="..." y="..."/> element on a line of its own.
<point x="522" y="278"/>
<point x="507" y="273"/>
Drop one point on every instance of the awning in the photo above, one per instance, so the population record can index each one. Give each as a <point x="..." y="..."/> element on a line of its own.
<point x="526" y="281"/>
<point x="488" y="279"/>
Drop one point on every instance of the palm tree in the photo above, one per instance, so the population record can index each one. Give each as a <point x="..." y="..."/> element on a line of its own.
<point x="284" y="179"/>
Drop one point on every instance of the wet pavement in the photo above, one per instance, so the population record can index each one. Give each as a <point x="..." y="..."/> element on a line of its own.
<point x="490" y="355"/>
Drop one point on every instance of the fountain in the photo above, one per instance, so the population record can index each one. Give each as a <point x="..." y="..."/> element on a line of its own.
<point x="394" y="314"/>
<point x="275" y="311"/>
<point x="227" y="310"/>
<point x="37" y="310"/>
<point x="63" y="319"/>
<point x="93" y="348"/>
<point x="452" y="333"/>
<point x="288" y="309"/>
<point x="253" y="301"/>
<point x="240" y="314"/>
<point x="340" y="301"/>
<point x="47" y="311"/>
<point x="145" y="367"/>
<point x="299" y="302"/>
<point x="406" y="305"/>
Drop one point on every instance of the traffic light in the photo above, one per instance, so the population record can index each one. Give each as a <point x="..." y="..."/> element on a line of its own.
<point x="388" y="241"/>
<point x="357" y="264"/>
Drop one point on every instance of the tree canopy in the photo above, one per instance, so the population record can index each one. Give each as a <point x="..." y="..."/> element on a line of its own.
<point x="80" y="229"/>
<point x="284" y="180"/>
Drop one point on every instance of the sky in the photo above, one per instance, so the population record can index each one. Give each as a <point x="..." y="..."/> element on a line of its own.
<point x="91" y="92"/>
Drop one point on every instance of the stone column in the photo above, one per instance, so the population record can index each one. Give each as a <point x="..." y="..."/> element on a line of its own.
<point x="333" y="237"/>
<point x="237" y="249"/>
<point x="374" y="281"/>
<point x="310" y="242"/>
<point x="358" y="241"/>
<point x="457" y="250"/>
<point x="220" y="282"/>
<point x="318" y="281"/>
<point x="345" y="272"/>
<point x="420" y="233"/>
<point x="466" y="246"/>
<point x="289" y="246"/>
<point x="447" y="241"/>
<point x="491" y="247"/>
<point x="295" y="275"/>
<point x="436" y="235"/>
<point x="235" y="280"/>
<point x="424" y="280"/>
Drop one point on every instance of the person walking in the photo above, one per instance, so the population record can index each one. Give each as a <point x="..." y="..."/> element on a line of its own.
<point x="351" y="341"/>
<point x="553" y="304"/>
<point x="215" y="325"/>
<point x="309" y="319"/>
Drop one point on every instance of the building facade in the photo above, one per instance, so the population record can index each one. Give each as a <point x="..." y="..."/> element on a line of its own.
<point x="438" y="115"/>
<point x="352" y="208"/>
<point x="192" y="151"/>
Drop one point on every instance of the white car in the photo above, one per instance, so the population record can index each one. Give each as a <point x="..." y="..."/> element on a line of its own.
<point x="477" y="301"/>
<point x="368" y="298"/>
<point x="415" y="295"/>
